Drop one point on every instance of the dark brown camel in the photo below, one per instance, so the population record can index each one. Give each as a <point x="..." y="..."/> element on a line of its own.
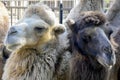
<point x="93" y="55"/>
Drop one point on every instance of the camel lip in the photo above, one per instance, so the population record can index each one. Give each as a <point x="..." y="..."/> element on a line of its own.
<point x="12" y="47"/>
<point x="107" y="61"/>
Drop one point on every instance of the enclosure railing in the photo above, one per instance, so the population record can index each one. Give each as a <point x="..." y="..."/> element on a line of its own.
<point x="16" y="8"/>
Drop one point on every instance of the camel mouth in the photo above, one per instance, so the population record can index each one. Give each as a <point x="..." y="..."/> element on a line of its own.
<point x="12" y="47"/>
<point x="107" y="60"/>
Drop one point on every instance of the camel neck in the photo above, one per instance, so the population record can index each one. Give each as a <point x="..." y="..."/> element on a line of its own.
<point x="82" y="69"/>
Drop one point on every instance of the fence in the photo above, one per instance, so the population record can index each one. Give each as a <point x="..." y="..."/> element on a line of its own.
<point x="16" y="8"/>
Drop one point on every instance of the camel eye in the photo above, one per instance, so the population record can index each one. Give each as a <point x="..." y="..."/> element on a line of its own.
<point x="39" y="29"/>
<point x="87" y="38"/>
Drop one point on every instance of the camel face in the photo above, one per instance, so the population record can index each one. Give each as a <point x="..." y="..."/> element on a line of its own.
<point x="91" y="36"/>
<point x="94" y="43"/>
<point x="37" y="27"/>
<point x="29" y="32"/>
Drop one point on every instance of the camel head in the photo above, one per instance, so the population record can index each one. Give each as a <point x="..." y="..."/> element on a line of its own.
<point x="37" y="28"/>
<point x="93" y="43"/>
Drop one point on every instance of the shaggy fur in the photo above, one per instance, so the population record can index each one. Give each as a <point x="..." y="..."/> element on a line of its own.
<point x="39" y="55"/>
<point x="90" y="19"/>
<point x="4" y="22"/>
<point x="83" y="70"/>
<point x="83" y="6"/>
<point x="85" y="43"/>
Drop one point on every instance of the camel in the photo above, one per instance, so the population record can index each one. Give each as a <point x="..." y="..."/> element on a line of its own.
<point x="93" y="55"/>
<point x="113" y="18"/>
<point x="37" y="52"/>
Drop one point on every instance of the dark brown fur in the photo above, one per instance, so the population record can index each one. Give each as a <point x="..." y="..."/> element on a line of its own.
<point x="91" y="19"/>
<point x="84" y="65"/>
<point x="82" y="69"/>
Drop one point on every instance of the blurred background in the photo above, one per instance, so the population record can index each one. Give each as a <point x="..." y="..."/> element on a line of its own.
<point x="16" y="8"/>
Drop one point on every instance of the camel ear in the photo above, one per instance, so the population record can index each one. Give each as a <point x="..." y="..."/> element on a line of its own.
<point x="70" y="23"/>
<point x="59" y="29"/>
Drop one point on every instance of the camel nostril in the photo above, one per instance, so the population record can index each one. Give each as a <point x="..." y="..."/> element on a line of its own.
<point x="107" y="49"/>
<point x="12" y="31"/>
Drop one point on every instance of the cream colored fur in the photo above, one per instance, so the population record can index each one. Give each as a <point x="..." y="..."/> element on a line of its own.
<point x="37" y="55"/>
<point x="4" y="22"/>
